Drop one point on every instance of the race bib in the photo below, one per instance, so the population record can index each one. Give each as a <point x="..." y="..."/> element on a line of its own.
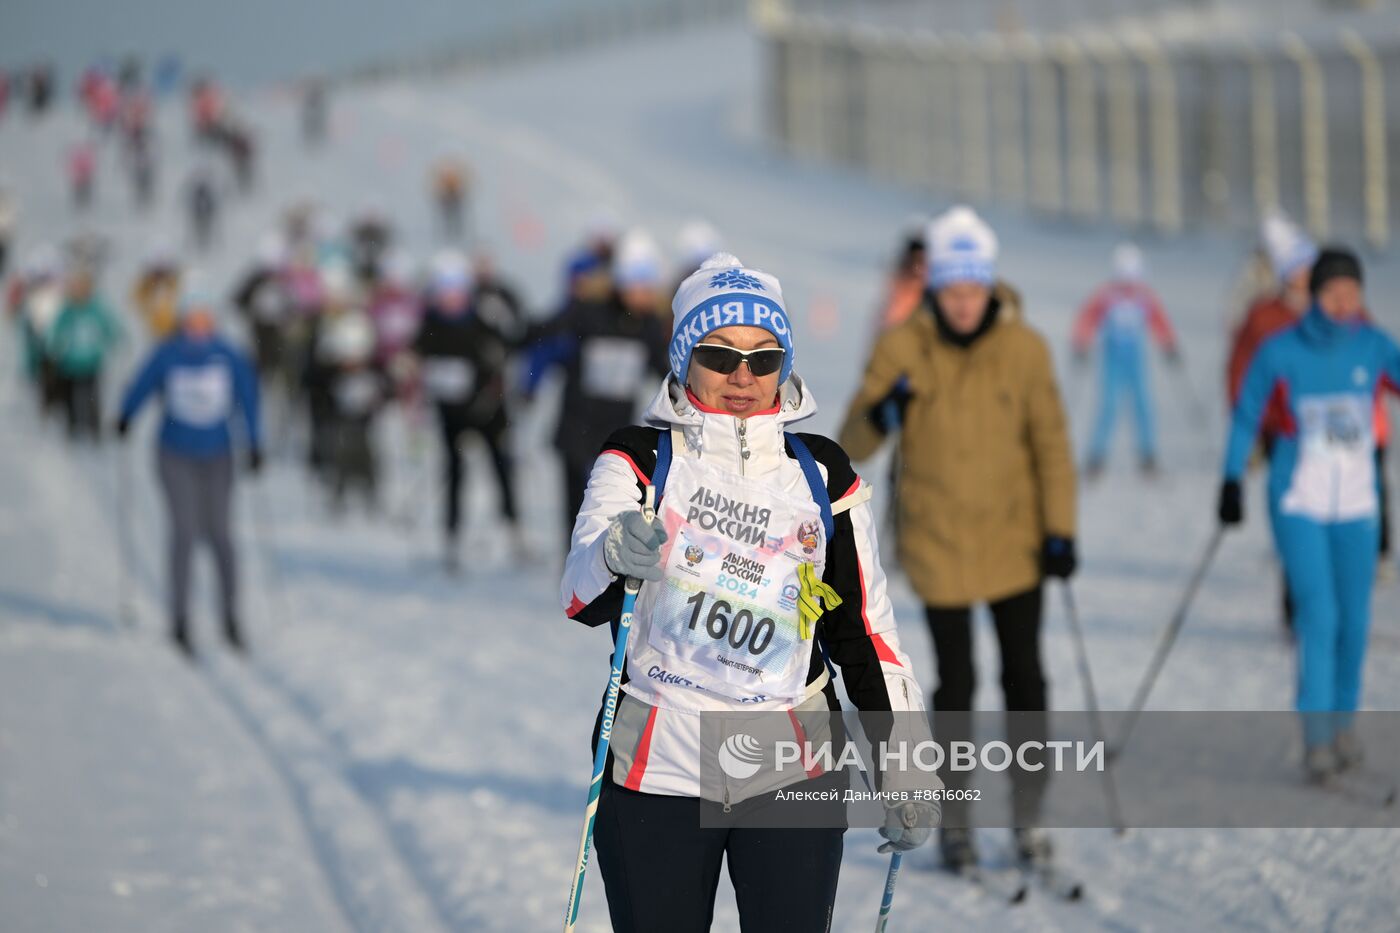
<point x="448" y="379"/>
<point x="201" y="396"/>
<point x="1125" y="322"/>
<point x="1335" y="476"/>
<point x="725" y="616"/>
<point x="612" y="368"/>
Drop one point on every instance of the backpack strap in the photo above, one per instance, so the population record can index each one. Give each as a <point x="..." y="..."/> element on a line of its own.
<point x="815" y="481"/>
<point x="822" y="498"/>
<point x="663" y="464"/>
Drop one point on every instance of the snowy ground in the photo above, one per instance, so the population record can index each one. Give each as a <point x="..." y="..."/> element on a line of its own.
<point x="409" y="752"/>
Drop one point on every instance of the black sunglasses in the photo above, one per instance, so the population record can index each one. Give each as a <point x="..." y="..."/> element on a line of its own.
<point x="724" y="360"/>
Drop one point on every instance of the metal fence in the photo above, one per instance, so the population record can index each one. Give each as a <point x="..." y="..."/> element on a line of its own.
<point x="1150" y="125"/>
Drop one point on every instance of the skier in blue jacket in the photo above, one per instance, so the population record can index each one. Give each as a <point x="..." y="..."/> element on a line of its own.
<point x="201" y="378"/>
<point x="1326" y="371"/>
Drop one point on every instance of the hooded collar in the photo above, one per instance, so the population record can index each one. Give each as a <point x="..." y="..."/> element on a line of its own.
<point x="1317" y="328"/>
<point x="748" y="446"/>
<point x="964" y="341"/>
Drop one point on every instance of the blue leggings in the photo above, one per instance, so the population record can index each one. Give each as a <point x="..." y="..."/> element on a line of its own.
<point x="1125" y="372"/>
<point x="1330" y="568"/>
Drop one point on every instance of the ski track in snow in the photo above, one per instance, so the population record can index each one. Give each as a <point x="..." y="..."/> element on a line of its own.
<point x="427" y="736"/>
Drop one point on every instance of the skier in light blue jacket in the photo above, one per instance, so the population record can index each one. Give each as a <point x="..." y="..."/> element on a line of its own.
<point x="1326" y="372"/>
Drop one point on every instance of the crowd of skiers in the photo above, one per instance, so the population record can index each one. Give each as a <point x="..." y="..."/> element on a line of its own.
<point x="344" y="324"/>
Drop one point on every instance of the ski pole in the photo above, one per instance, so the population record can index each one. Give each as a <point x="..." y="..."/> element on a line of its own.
<point x="1164" y="645"/>
<point x="124" y="542"/>
<point x="600" y="755"/>
<point x="890" y="878"/>
<point x="1091" y="699"/>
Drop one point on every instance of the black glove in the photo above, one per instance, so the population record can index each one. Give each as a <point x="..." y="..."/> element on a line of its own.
<point x="123" y="426"/>
<point x="888" y="414"/>
<point x="254" y="460"/>
<point x="1057" y="557"/>
<point x="1231" y="508"/>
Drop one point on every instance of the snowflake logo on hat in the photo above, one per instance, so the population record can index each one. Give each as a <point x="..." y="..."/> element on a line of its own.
<point x="736" y="278"/>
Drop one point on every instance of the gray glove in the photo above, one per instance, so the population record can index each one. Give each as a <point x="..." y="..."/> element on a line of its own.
<point x="632" y="548"/>
<point x="908" y="825"/>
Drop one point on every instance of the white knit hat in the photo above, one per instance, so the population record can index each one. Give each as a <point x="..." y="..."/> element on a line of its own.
<point x="723" y="293"/>
<point x="961" y="248"/>
<point x="1128" y="263"/>
<point x="637" y="260"/>
<point x="1290" y="249"/>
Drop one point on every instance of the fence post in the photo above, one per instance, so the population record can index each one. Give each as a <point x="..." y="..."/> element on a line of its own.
<point x="970" y="80"/>
<point x="1315" y="182"/>
<point x="1046" y="173"/>
<point x="1263" y="128"/>
<point x="1164" y="132"/>
<point x="1009" y="133"/>
<point x="1081" y="128"/>
<point x="1125" y="159"/>
<point x="1373" y="141"/>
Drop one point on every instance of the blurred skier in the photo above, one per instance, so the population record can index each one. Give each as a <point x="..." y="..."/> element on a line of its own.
<point x="41" y="88"/>
<point x="371" y="236"/>
<point x="201" y="379"/>
<point x="82" y="336"/>
<point x="82" y="170"/>
<point x="206" y="109"/>
<point x="395" y="308"/>
<point x="451" y="181"/>
<point x="1122" y="313"/>
<point x="611" y="348"/>
<point x="358" y="391"/>
<point x="1291" y="254"/>
<point x="36" y="298"/>
<point x="463" y="375"/>
<point x="156" y="293"/>
<point x="261" y="298"/>
<point x="339" y="296"/>
<point x="202" y="203"/>
<point x="908" y="280"/>
<point x="1324" y="374"/>
<point x="987" y="491"/>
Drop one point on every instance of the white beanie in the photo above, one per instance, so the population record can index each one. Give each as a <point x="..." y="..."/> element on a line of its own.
<point x="451" y="272"/>
<point x="961" y="248"/>
<point x="637" y="260"/>
<point x="1290" y="249"/>
<point x="1128" y="263"/>
<point x="723" y="293"/>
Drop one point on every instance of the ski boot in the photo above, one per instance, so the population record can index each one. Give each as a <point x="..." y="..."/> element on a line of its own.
<point x="1319" y="764"/>
<point x="1032" y="844"/>
<point x="1348" y="750"/>
<point x="1147" y="466"/>
<point x="959" y="849"/>
<point x="1093" y="470"/>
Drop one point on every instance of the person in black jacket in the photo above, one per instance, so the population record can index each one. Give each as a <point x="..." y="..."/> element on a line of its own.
<point x="463" y="359"/>
<point x="614" y="349"/>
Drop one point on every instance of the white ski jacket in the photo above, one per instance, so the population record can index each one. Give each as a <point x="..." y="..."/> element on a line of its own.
<point x="655" y="744"/>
